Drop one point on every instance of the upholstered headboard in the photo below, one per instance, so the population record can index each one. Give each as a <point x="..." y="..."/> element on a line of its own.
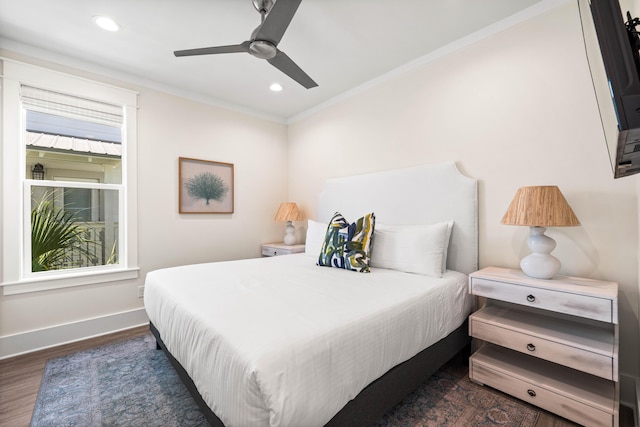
<point x="424" y="194"/>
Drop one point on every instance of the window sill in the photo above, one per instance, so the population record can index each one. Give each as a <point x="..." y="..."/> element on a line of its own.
<point x="68" y="280"/>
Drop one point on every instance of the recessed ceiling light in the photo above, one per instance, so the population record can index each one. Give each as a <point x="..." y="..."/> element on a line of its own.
<point x="106" y="23"/>
<point x="276" y="87"/>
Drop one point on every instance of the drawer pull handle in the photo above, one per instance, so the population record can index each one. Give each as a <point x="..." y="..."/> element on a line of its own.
<point x="531" y="298"/>
<point x="531" y="347"/>
<point x="531" y="393"/>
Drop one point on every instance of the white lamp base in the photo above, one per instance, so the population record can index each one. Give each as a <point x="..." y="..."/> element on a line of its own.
<point x="290" y="237"/>
<point x="540" y="263"/>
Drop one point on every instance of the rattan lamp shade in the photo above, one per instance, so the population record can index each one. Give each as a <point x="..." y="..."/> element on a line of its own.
<point x="542" y="206"/>
<point x="289" y="212"/>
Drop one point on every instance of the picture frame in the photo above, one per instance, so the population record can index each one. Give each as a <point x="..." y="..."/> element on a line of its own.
<point x="205" y="187"/>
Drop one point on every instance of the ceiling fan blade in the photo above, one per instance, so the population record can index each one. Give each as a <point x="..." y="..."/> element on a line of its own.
<point x="277" y="20"/>
<point x="283" y="63"/>
<point x="243" y="47"/>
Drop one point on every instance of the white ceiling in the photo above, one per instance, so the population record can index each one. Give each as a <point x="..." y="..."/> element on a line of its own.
<point x="341" y="44"/>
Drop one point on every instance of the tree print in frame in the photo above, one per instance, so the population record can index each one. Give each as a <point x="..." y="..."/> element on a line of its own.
<point x="205" y="186"/>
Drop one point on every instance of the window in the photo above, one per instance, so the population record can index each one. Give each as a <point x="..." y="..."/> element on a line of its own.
<point x="72" y="227"/>
<point x="69" y="181"/>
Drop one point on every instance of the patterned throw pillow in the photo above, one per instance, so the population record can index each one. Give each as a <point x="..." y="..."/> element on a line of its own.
<point x="347" y="245"/>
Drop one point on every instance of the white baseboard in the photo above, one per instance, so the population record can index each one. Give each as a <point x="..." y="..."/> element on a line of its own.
<point x="40" y="339"/>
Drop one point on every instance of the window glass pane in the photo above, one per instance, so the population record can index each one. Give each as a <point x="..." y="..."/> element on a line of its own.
<point x="73" y="227"/>
<point x="78" y="202"/>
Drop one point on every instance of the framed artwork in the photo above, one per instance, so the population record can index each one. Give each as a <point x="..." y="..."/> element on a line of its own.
<point x="205" y="186"/>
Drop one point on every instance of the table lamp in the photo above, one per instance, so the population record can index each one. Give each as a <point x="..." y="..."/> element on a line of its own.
<point x="289" y="212"/>
<point x="540" y="207"/>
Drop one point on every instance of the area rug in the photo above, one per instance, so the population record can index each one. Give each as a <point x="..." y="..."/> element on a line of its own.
<point x="130" y="383"/>
<point x="447" y="400"/>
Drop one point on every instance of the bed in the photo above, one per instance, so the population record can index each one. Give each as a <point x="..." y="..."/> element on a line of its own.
<point x="281" y="341"/>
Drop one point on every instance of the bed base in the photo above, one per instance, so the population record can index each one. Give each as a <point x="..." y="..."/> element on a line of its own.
<point x="374" y="400"/>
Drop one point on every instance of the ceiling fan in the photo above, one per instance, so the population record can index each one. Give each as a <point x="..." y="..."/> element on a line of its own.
<point x="263" y="43"/>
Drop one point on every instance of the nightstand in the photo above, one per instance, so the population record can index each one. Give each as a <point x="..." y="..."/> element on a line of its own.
<point x="552" y="343"/>
<point x="276" y="249"/>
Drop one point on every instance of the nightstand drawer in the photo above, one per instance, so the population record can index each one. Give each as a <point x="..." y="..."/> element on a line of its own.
<point x="579" y="398"/>
<point x="277" y="249"/>
<point x="587" y="306"/>
<point x="270" y="251"/>
<point x="586" y="347"/>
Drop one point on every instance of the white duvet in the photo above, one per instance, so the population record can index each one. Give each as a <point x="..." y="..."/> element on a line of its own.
<point x="282" y="342"/>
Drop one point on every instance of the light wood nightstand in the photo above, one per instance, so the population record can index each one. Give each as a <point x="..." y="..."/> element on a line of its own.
<point x="552" y="343"/>
<point x="276" y="249"/>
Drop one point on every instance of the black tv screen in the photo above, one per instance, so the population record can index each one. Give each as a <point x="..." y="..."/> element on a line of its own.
<point x="617" y="36"/>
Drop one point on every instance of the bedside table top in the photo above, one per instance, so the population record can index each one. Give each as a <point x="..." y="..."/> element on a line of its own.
<point x="280" y="245"/>
<point x="577" y="285"/>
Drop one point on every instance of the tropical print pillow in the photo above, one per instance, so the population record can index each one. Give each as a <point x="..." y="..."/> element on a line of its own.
<point x="348" y="245"/>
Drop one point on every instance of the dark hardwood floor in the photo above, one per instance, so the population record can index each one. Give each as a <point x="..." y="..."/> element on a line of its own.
<point x="20" y="380"/>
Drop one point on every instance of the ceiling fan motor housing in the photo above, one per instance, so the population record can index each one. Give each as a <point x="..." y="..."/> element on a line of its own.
<point x="262" y="49"/>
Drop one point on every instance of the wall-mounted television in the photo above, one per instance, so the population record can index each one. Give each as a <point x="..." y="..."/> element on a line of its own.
<point x="617" y="36"/>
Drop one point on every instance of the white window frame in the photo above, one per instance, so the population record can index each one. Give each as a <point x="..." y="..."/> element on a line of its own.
<point x="16" y="272"/>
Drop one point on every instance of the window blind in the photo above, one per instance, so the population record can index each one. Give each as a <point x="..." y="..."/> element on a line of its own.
<point x="71" y="106"/>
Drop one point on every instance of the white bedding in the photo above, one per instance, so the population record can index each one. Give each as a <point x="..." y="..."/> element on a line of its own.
<point x="282" y="342"/>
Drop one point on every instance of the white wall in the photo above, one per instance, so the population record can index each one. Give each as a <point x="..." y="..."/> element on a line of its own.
<point x="258" y="150"/>
<point x="168" y="127"/>
<point x="512" y="110"/>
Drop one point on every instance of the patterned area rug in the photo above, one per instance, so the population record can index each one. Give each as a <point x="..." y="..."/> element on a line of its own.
<point x="446" y="400"/>
<point x="130" y="383"/>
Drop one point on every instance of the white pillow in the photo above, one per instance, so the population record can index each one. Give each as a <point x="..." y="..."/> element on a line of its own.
<point x="315" y="238"/>
<point x="419" y="249"/>
<point x="447" y="240"/>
